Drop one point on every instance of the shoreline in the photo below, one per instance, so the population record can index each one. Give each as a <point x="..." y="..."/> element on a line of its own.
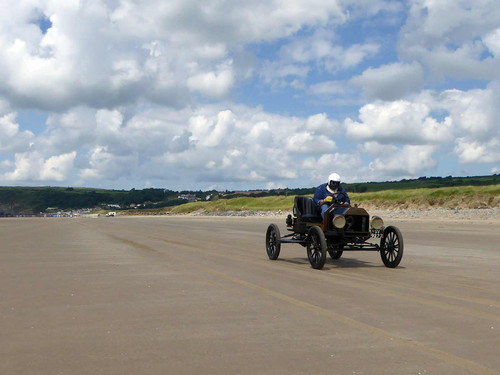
<point x="432" y="214"/>
<point x="386" y="214"/>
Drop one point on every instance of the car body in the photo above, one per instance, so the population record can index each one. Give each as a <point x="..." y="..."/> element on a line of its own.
<point x="344" y="228"/>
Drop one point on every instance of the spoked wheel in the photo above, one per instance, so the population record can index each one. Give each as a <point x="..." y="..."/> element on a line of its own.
<point x="391" y="247"/>
<point x="273" y="243"/>
<point x="316" y="247"/>
<point x="335" y="252"/>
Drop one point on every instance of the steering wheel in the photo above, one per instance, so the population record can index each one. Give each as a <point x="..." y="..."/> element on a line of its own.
<point x="340" y="197"/>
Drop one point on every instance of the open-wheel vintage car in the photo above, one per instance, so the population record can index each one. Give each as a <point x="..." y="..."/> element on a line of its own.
<point x="344" y="228"/>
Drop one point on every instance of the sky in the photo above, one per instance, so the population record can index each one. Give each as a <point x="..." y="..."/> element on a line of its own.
<point x="246" y="94"/>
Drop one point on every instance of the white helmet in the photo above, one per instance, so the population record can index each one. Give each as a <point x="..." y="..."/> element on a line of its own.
<point x="333" y="177"/>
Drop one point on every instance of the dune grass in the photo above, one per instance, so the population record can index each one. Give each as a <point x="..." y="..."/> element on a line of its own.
<point x="274" y="203"/>
<point x="465" y="197"/>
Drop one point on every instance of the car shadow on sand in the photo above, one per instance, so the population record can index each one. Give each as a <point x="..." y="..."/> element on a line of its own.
<point x="349" y="263"/>
<point x="338" y="263"/>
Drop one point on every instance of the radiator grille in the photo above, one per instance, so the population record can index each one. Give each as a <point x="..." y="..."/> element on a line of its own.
<point x="356" y="223"/>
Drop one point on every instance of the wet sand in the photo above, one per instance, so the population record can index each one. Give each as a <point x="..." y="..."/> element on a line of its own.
<point x="198" y="295"/>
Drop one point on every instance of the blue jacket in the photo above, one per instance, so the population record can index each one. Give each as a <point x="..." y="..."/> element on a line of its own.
<point x="321" y="193"/>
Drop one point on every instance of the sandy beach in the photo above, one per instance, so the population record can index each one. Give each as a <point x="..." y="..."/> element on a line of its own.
<point x="198" y="295"/>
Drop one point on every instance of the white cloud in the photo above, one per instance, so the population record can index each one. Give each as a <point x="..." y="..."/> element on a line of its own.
<point x="390" y="82"/>
<point x="278" y="73"/>
<point x="329" y="88"/>
<point x="464" y="121"/>
<point x="210" y="133"/>
<point x="450" y="37"/>
<point x="401" y="121"/>
<point x="212" y="84"/>
<point x="11" y="138"/>
<point x="102" y="54"/>
<point x="207" y="143"/>
<point x="321" y="124"/>
<point x="352" y="56"/>
<point x="125" y="87"/>
<point x="320" y="50"/>
<point x="57" y="168"/>
<point x="472" y="112"/>
<point x="307" y="143"/>
<point x="32" y="166"/>
<point x="406" y="161"/>
<point x="446" y="21"/>
<point x="104" y="165"/>
<point x="492" y="42"/>
<point x="473" y="151"/>
<point x="317" y="169"/>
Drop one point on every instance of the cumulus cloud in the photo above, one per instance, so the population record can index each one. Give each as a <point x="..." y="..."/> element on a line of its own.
<point x="211" y="133"/>
<point x="320" y="48"/>
<point x="307" y="143"/>
<point x="102" y="54"/>
<point x="103" y="164"/>
<point x="318" y="168"/>
<point x="403" y="122"/>
<point x="32" y="166"/>
<point x="390" y="82"/>
<point x="245" y="94"/>
<point x="321" y="124"/>
<point x="203" y="144"/>
<point x="473" y="151"/>
<point x="451" y="37"/>
<point x="406" y="161"/>
<point x="465" y="121"/>
<point x="492" y="42"/>
<point x="472" y="112"/>
<point x="212" y="84"/>
<point x="11" y="138"/>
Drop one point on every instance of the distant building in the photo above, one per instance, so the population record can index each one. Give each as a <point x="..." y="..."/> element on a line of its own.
<point x="188" y="197"/>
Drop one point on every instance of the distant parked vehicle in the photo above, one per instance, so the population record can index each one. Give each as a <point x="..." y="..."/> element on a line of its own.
<point x="111" y="214"/>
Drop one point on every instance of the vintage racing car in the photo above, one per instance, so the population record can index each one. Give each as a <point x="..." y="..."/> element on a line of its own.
<point x="344" y="228"/>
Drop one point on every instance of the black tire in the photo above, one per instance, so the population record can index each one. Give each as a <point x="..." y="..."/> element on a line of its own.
<point x="335" y="254"/>
<point x="273" y="241"/>
<point x="316" y="247"/>
<point x="391" y="247"/>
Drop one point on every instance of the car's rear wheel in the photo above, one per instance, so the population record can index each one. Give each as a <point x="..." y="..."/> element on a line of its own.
<point x="273" y="243"/>
<point x="335" y="253"/>
<point x="391" y="247"/>
<point x="316" y="247"/>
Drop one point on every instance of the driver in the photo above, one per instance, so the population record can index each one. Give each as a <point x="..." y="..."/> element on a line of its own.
<point x="329" y="191"/>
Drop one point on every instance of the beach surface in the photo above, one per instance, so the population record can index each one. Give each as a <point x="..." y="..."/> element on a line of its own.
<point x="198" y="295"/>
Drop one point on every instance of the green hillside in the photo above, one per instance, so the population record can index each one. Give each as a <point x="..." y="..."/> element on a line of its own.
<point x="450" y="192"/>
<point x="467" y="197"/>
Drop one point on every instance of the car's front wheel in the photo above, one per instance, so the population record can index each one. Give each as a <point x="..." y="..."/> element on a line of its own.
<point x="391" y="247"/>
<point x="316" y="247"/>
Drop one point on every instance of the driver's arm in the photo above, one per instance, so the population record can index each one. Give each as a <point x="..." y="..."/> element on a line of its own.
<point x="318" y="196"/>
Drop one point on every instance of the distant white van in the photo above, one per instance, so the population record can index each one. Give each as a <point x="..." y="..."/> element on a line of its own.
<point x="111" y="213"/>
